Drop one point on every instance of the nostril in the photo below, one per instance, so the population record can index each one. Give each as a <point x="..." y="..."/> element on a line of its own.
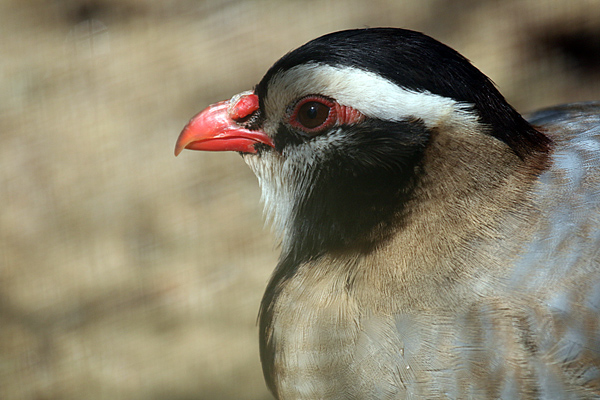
<point x="243" y="107"/>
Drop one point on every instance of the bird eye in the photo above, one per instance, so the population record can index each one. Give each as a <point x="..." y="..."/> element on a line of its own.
<point x="312" y="114"/>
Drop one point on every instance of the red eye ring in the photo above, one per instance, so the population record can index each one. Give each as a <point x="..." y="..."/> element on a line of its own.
<point x="313" y="114"/>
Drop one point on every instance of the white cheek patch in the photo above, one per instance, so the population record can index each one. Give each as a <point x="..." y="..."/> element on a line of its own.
<point x="277" y="180"/>
<point x="285" y="178"/>
<point x="367" y="92"/>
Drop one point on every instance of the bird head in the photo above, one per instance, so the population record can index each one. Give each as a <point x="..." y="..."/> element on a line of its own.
<point x="337" y="132"/>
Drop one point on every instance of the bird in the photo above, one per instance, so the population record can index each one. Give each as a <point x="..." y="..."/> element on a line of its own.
<point x="435" y="244"/>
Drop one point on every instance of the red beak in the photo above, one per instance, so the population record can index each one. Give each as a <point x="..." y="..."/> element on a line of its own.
<point x="216" y="128"/>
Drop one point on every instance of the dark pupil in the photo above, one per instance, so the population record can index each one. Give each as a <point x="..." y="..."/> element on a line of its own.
<point x="313" y="114"/>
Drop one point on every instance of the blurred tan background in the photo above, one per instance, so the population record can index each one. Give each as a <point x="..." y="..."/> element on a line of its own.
<point x="127" y="273"/>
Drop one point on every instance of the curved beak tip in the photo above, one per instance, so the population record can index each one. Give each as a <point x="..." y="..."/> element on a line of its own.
<point x="182" y="140"/>
<point x="178" y="149"/>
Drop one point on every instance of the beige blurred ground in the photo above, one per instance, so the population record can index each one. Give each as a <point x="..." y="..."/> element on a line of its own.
<point x="126" y="273"/>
